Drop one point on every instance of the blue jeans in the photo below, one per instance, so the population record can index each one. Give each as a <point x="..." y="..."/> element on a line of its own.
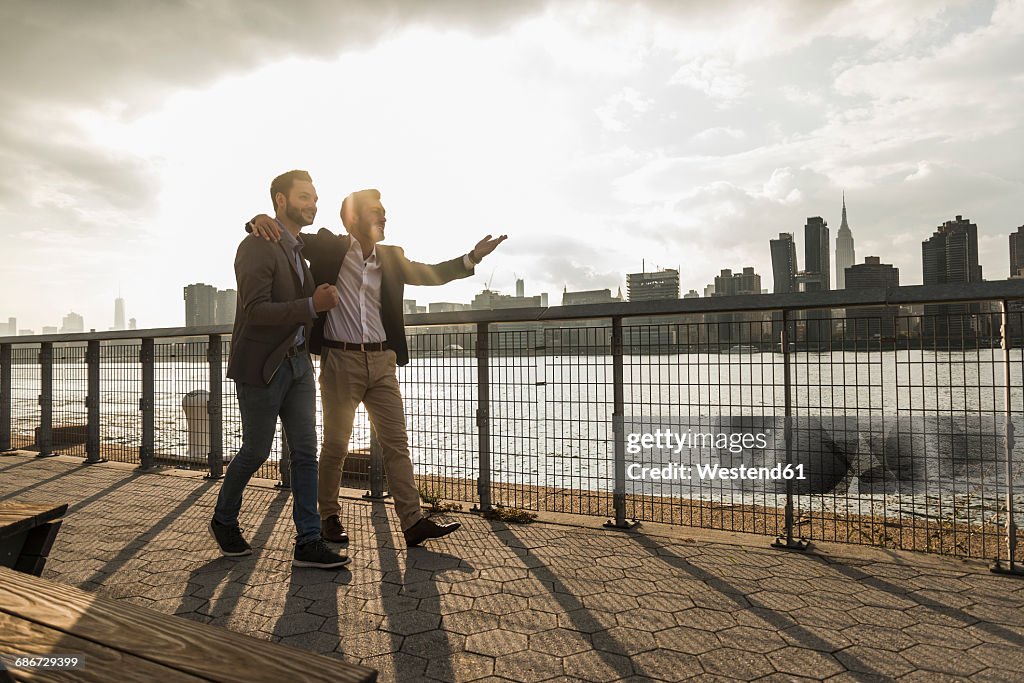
<point x="291" y="395"/>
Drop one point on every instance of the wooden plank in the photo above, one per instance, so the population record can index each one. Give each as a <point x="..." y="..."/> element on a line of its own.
<point x="100" y="664"/>
<point x="199" y="649"/>
<point x="17" y="517"/>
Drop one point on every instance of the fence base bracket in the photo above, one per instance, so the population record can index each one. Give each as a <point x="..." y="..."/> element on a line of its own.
<point x="51" y="454"/>
<point x="149" y="468"/>
<point x="626" y="524"/>
<point x="479" y="510"/>
<point x="213" y="477"/>
<point x="783" y="543"/>
<point x="1007" y="569"/>
<point x="281" y="486"/>
<point x="93" y="462"/>
<point x="369" y="496"/>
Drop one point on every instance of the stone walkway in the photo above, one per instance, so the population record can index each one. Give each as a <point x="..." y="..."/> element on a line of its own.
<point x="545" y="601"/>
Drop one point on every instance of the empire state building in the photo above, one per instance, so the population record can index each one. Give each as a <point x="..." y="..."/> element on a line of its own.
<point x="844" y="250"/>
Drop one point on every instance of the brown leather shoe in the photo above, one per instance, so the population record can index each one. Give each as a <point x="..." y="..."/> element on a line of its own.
<point x="424" y="529"/>
<point x="332" y="530"/>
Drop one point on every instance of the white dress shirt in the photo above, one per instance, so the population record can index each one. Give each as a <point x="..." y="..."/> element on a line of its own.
<point x="356" y="318"/>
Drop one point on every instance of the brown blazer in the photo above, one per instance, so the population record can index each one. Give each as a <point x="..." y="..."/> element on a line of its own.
<point x="271" y="305"/>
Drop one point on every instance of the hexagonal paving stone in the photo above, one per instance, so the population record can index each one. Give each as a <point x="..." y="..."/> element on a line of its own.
<point x="872" y="661"/>
<point x="469" y="622"/>
<point x="597" y="666"/>
<point x="735" y="663"/>
<point x="623" y="641"/>
<point x="528" y="621"/>
<point x="587" y="620"/>
<point x="942" y="660"/>
<point x="560" y="642"/>
<point x="397" y="666"/>
<point x="407" y="623"/>
<point x="370" y="644"/>
<point x="692" y="641"/>
<point x="461" y="666"/>
<point x="667" y="665"/>
<point x="433" y="644"/>
<point x="500" y="604"/>
<point x="761" y="640"/>
<point x="496" y="642"/>
<point x="705" y="619"/>
<point x="528" y="666"/>
<point x="799" y="661"/>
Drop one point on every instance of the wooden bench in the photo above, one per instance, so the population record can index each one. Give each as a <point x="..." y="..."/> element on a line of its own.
<point x="27" y="531"/>
<point x="119" y="641"/>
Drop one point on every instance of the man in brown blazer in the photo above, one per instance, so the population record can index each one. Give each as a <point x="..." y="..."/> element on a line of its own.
<point x="269" y="361"/>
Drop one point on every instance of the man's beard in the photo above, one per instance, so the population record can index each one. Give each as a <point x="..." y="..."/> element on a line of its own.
<point x="295" y="215"/>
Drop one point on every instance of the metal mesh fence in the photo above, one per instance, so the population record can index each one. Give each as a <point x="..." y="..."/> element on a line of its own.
<point x="898" y="421"/>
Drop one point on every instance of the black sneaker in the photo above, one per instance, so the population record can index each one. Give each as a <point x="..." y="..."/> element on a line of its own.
<point x="317" y="554"/>
<point x="230" y="540"/>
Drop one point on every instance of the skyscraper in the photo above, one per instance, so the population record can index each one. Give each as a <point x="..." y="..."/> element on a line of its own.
<point x="816" y="251"/>
<point x="72" y="322"/>
<point x="663" y="284"/>
<point x="1017" y="252"/>
<point x="845" y="256"/>
<point x="873" y="322"/>
<point x="784" y="265"/>
<point x="950" y="255"/>
<point x="733" y="328"/>
<point x="119" y="313"/>
<point x="226" y="302"/>
<point x="200" y="305"/>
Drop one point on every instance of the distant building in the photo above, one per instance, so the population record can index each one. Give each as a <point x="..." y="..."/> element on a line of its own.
<point x="71" y="323"/>
<point x="845" y="256"/>
<point x="741" y="327"/>
<point x="200" y="305"/>
<point x="227" y="299"/>
<point x="409" y="306"/>
<point x="874" y="322"/>
<point x="663" y="284"/>
<point x="26" y="333"/>
<point x="206" y="305"/>
<point x="950" y="255"/>
<point x="692" y="294"/>
<point x="816" y="250"/>
<point x="489" y="300"/>
<point x="589" y="296"/>
<point x="446" y="307"/>
<point x="12" y="327"/>
<point x="119" y="314"/>
<point x="49" y="330"/>
<point x="1017" y="252"/>
<point x="132" y="323"/>
<point x="784" y="264"/>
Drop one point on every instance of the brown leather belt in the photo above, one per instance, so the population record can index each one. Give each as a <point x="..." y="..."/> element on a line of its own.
<point x="362" y="346"/>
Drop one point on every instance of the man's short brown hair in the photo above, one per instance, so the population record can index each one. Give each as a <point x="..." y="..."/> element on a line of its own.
<point x="351" y="204"/>
<point x="283" y="183"/>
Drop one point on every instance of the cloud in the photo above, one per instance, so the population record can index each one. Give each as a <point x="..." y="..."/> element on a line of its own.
<point x="715" y="78"/>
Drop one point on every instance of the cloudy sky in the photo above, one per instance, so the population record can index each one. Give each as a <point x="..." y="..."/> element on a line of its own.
<point x="138" y="136"/>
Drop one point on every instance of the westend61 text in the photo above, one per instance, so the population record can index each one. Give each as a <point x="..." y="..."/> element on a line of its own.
<point x="682" y="472"/>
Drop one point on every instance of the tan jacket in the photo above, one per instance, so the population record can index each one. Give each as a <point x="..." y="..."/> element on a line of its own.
<point x="271" y="305"/>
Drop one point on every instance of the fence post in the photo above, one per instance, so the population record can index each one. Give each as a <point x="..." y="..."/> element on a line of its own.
<point x="6" y="387"/>
<point x="1011" y="526"/>
<point x="92" y="403"/>
<point x="483" y="417"/>
<point x="618" y="427"/>
<point x="788" y="542"/>
<point x="45" y="439"/>
<point x="376" y="491"/>
<point x="215" y="407"/>
<point x="147" y="406"/>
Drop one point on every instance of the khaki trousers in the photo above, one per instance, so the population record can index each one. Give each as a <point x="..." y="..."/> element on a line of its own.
<point x="348" y="378"/>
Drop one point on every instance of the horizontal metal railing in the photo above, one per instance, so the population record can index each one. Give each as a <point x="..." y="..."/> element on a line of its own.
<point x="533" y="408"/>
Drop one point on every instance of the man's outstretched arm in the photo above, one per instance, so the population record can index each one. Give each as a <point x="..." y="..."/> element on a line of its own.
<point x="438" y="274"/>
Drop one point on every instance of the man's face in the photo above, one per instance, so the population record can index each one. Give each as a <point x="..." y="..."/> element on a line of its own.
<point x="300" y="205"/>
<point x="372" y="220"/>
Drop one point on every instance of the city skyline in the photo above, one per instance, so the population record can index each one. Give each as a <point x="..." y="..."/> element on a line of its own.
<point x="597" y="137"/>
